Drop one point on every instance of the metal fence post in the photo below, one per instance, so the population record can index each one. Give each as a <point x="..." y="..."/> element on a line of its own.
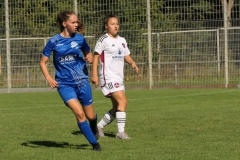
<point x="149" y="45"/>
<point x="226" y="42"/>
<point x="218" y="53"/>
<point x="8" y="47"/>
<point x="27" y="78"/>
<point x="176" y="74"/>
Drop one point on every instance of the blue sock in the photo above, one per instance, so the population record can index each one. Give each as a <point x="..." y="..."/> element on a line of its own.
<point x="93" y="123"/>
<point x="86" y="130"/>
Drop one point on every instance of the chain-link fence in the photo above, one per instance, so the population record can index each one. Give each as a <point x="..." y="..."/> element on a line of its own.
<point x="175" y="43"/>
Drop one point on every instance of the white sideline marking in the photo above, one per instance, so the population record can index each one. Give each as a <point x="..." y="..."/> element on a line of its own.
<point x="135" y="99"/>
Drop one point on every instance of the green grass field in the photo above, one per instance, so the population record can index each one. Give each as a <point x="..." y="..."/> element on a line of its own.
<point x="186" y="124"/>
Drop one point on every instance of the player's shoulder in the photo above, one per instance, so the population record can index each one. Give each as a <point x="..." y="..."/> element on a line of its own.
<point x="102" y="38"/>
<point x="55" y="38"/>
<point x="121" y="38"/>
<point x="79" y="35"/>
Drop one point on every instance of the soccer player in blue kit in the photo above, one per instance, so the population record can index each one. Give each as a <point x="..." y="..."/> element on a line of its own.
<point x="71" y="79"/>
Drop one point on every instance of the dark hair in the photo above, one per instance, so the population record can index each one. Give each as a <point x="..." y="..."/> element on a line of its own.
<point x="64" y="16"/>
<point x="81" y="27"/>
<point x="106" y="19"/>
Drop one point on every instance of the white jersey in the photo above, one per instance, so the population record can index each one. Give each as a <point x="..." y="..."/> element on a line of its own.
<point x="112" y="52"/>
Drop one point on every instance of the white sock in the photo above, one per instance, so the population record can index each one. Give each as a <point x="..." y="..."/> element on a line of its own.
<point x="121" y="120"/>
<point x="107" y="119"/>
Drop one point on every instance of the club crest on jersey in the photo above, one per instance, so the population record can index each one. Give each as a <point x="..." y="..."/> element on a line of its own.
<point x="73" y="44"/>
<point x="120" y="51"/>
<point x="116" y="85"/>
<point x="123" y="45"/>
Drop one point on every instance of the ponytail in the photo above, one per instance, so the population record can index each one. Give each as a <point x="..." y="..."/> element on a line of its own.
<point x="81" y="27"/>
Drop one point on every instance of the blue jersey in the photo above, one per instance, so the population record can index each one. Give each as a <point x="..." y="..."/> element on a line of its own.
<point x="68" y="58"/>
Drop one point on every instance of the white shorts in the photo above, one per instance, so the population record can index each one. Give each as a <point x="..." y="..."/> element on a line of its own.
<point x="112" y="87"/>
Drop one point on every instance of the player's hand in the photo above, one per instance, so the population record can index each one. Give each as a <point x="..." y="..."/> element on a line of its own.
<point x="134" y="66"/>
<point x="95" y="81"/>
<point x="89" y="57"/>
<point x="52" y="82"/>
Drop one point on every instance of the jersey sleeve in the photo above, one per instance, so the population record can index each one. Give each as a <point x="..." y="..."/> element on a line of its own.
<point x="99" y="47"/>
<point x="126" y="50"/>
<point x="47" y="51"/>
<point x="85" y="46"/>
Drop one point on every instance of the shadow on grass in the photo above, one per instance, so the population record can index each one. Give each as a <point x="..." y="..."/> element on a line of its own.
<point x="76" y="132"/>
<point x="36" y="144"/>
<point x="107" y="134"/>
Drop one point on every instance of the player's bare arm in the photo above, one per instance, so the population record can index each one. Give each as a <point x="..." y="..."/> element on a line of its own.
<point x="88" y="57"/>
<point x="130" y="61"/>
<point x="52" y="82"/>
<point x="95" y="69"/>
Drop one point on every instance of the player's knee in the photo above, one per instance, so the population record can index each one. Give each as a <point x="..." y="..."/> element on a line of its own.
<point x="91" y="117"/>
<point x="80" y="117"/>
<point x="122" y="106"/>
<point x="124" y="102"/>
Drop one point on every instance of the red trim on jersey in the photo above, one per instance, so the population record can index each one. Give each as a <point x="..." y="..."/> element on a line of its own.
<point x="102" y="57"/>
<point x="103" y="67"/>
<point x="109" y="95"/>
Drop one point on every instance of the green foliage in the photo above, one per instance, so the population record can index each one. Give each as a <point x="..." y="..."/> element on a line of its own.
<point x="1" y="79"/>
<point x="36" y="18"/>
<point x="182" y="50"/>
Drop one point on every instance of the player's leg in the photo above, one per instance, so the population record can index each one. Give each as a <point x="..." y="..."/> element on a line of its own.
<point x="108" y="117"/>
<point x="85" y="97"/>
<point x="69" y="97"/>
<point x="92" y="118"/>
<point x="114" y="107"/>
<point x="120" y="98"/>
<point x="106" y="120"/>
<point x="77" y="109"/>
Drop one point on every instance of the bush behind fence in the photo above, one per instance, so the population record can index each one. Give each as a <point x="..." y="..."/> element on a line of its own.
<point x="187" y="40"/>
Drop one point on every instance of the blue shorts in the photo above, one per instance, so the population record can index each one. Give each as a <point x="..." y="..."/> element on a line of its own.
<point x="83" y="93"/>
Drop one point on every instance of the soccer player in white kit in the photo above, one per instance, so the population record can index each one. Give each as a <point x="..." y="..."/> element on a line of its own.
<point x="112" y="50"/>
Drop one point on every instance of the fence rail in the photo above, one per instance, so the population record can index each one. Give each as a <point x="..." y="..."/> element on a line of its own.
<point x="176" y="44"/>
<point x="174" y="62"/>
